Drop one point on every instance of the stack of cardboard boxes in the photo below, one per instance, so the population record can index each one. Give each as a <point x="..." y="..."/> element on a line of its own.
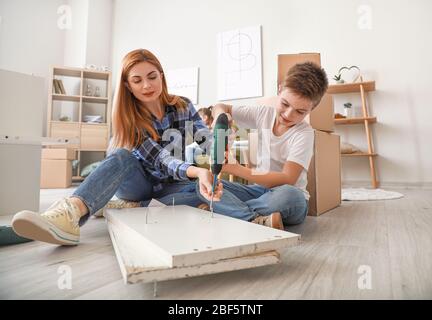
<point x="56" y="168"/>
<point x="324" y="175"/>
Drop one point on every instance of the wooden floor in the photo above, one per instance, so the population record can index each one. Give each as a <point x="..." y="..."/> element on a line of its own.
<point x="392" y="237"/>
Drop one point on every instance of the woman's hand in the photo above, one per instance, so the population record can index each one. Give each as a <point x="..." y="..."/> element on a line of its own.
<point x="205" y="178"/>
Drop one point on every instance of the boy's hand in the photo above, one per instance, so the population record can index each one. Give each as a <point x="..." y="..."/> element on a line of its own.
<point x="230" y="119"/>
<point x="231" y="164"/>
<point x="205" y="178"/>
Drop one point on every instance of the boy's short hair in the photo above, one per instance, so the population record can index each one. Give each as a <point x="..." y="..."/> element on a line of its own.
<point x="307" y="80"/>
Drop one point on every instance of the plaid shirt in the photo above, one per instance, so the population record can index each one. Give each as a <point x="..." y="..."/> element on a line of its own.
<point x="164" y="160"/>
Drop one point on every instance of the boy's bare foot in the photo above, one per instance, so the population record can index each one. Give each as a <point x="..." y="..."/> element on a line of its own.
<point x="273" y="220"/>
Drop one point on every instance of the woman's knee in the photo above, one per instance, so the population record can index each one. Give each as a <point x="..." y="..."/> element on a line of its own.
<point x="136" y="189"/>
<point x="136" y="185"/>
<point x="123" y="156"/>
<point x="120" y="153"/>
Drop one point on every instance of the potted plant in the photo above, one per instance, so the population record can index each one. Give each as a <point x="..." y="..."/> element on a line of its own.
<point x="347" y="109"/>
<point x="339" y="79"/>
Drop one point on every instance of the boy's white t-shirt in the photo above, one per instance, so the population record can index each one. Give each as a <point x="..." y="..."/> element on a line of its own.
<point x="273" y="152"/>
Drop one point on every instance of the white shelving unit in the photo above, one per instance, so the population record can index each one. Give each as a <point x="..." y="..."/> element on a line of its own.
<point x="76" y="103"/>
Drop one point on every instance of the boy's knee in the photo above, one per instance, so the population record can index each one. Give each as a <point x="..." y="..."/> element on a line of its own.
<point x="294" y="216"/>
<point x="295" y="206"/>
<point x="289" y="193"/>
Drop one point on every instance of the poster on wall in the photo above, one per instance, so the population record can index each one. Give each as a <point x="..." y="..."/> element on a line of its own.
<point x="183" y="82"/>
<point x="239" y="63"/>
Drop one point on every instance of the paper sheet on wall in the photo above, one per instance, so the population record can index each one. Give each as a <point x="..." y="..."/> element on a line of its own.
<point x="183" y="82"/>
<point x="239" y="63"/>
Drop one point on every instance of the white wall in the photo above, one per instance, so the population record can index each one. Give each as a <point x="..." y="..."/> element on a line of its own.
<point x="31" y="39"/>
<point x="30" y="42"/>
<point x="76" y="34"/>
<point x="395" y="52"/>
<point x="99" y="32"/>
<point x="89" y="39"/>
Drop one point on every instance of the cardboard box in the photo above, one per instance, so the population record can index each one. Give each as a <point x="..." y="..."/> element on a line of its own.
<point x="324" y="175"/>
<point x="321" y="118"/>
<point x="286" y="61"/>
<point x="55" y="174"/>
<point x="58" y="154"/>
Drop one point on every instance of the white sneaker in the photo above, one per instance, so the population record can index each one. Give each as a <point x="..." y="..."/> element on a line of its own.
<point x="58" y="225"/>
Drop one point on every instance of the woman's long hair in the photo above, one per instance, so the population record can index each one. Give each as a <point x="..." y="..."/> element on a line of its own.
<point x="132" y="122"/>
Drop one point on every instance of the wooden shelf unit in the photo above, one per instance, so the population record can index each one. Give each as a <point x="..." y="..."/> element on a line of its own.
<point x="93" y="137"/>
<point x="352" y="87"/>
<point x="359" y="154"/>
<point x="355" y="120"/>
<point x="360" y="87"/>
<point x="64" y="97"/>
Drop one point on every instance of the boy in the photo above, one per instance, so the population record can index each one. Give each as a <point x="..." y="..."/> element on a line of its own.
<point x="278" y="196"/>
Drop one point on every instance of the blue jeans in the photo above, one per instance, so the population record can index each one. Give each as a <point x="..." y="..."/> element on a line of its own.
<point x="121" y="174"/>
<point x="246" y="202"/>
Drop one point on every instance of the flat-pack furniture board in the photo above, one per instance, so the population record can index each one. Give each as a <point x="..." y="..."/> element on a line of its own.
<point x="163" y="243"/>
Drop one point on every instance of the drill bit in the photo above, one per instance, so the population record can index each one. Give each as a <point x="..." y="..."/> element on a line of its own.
<point x="213" y="190"/>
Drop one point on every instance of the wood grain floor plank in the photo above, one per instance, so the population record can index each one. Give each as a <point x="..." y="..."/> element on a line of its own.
<point x="393" y="238"/>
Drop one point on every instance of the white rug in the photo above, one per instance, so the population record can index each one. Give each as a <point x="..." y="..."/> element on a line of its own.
<point x="362" y="194"/>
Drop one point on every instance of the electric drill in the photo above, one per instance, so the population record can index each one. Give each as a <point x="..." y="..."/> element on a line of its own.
<point x="219" y="149"/>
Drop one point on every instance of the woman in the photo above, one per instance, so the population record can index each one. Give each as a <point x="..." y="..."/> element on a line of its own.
<point x="149" y="125"/>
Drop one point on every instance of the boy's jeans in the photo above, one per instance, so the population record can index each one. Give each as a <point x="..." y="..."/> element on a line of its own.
<point x="246" y="202"/>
